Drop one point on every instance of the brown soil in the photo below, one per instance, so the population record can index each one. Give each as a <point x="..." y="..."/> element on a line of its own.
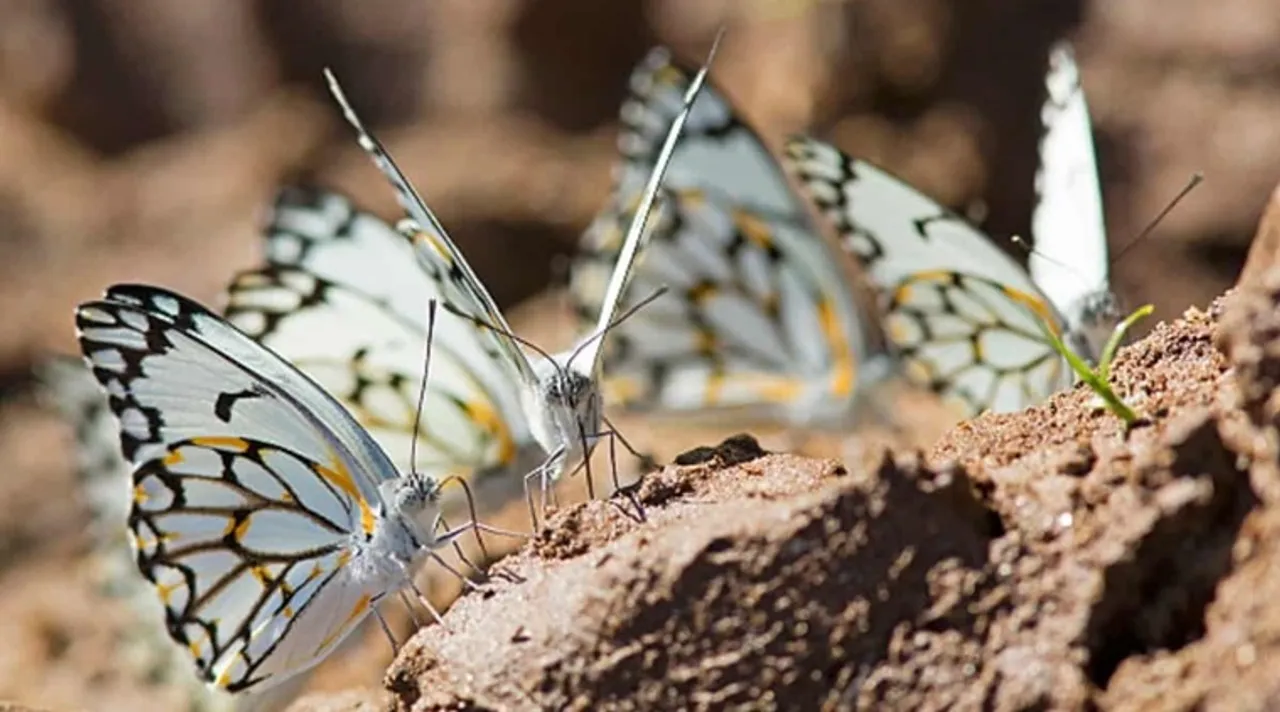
<point x="1049" y="559"/>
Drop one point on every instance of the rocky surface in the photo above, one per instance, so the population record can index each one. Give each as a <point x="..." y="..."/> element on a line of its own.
<point x="1049" y="559"/>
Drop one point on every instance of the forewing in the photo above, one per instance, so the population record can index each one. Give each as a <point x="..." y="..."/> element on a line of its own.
<point x="760" y="316"/>
<point x="718" y="152"/>
<point x="438" y="255"/>
<point x="250" y="483"/>
<point x="344" y="299"/>
<point x="1070" y="257"/>
<point x="634" y="238"/>
<point x="174" y="371"/>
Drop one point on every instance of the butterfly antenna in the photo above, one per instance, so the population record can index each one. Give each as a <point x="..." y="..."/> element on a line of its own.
<point x="1196" y="179"/>
<point x="422" y="387"/>
<point x="630" y="311"/>
<point x="498" y="330"/>
<point x="631" y="243"/>
<point x="1031" y="250"/>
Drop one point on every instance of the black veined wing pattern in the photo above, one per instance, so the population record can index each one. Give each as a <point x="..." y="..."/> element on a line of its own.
<point x="761" y="317"/>
<point x="343" y="297"/>
<point x="257" y="503"/>
<point x="67" y="387"/>
<point x="967" y="319"/>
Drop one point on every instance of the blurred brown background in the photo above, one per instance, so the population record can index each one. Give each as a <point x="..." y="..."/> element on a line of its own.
<point x="140" y="140"/>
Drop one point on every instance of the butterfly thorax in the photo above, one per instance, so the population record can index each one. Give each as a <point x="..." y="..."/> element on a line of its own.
<point x="565" y="412"/>
<point x="1091" y="321"/>
<point x="405" y="532"/>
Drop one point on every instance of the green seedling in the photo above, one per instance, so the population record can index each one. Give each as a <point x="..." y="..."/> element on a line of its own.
<point x="1099" y="378"/>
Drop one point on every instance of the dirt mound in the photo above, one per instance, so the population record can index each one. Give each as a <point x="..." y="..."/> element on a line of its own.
<point x="1049" y="559"/>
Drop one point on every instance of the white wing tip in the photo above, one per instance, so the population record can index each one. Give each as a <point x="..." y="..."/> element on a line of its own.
<point x="348" y="113"/>
<point x="1063" y="76"/>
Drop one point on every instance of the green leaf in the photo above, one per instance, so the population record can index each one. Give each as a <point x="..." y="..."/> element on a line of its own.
<point x="1117" y="336"/>
<point x="1099" y="380"/>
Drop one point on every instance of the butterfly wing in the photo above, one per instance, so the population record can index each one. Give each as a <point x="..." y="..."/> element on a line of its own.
<point x="1070" y="259"/>
<point x="718" y="152"/>
<point x="965" y="317"/>
<point x="69" y="387"/>
<point x="246" y="539"/>
<point x="759" y="319"/>
<point x="445" y="264"/>
<point x="591" y="350"/>
<point x="343" y="298"/>
<point x="247" y="545"/>
<point x="977" y="342"/>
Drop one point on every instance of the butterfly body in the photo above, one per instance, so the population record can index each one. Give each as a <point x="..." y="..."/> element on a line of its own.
<point x="564" y="410"/>
<point x="1090" y="320"/>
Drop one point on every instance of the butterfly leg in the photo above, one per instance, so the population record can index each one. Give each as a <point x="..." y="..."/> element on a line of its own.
<point x="586" y="461"/>
<point x="648" y="463"/>
<point x="547" y="473"/>
<point x="466" y="581"/>
<point x="630" y="490"/>
<point x="386" y="629"/>
<point x="528" y="496"/>
<point x="544" y="479"/>
<point x="462" y="555"/>
<point x="413" y="615"/>
<point x="422" y="598"/>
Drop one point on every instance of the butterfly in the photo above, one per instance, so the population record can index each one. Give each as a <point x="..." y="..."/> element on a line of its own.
<point x="268" y="522"/>
<point x="764" y="318"/>
<point x="362" y="339"/>
<point x="559" y="399"/>
<point x="310" y="234"/>
<point x="964" y="317"/>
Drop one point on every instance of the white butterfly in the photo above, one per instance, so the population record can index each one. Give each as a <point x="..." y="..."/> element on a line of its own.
<point x="763" y="318"/>
<point x="966" y="319"/>
<point x="359" y="336"/>
<point x="268" y="521"/>
<point x="558" y="395"/>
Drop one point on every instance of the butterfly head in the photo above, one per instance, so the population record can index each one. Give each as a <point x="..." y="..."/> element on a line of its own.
<point x="415" y="499"/>
<point x="567" y="408"/>
<point x="1091" y="321"/>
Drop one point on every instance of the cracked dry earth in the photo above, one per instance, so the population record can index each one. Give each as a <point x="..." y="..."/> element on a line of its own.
<point x="1048" y="559"/>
